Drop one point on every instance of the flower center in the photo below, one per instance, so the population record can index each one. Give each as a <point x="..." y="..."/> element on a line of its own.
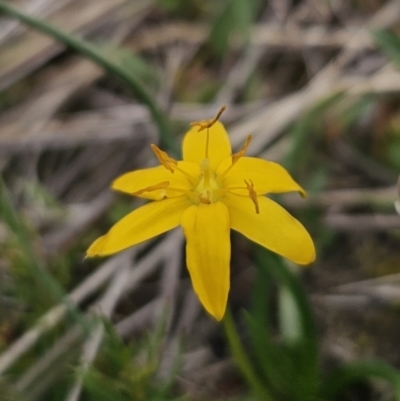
<point x="207" y="189"/>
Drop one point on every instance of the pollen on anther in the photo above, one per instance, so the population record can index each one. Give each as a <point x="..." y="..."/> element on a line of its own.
<point x="208" y="124"/>
<point x="164" y="159"/>
<point x="205" y="199"/>
<point x="252" y="194"/>
<point x="151" y="188"/>
<point x="236" y="156"/>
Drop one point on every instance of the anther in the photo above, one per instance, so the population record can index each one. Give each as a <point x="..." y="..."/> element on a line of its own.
<point x="236" y="156"/>
<point x="161" y="185"/>
<point x="242" y="152"/>
<point x="208" y="124"/>
<point x="163" y="158"/>
<point x="205" y="199"/>
<point x="252" y="194"/>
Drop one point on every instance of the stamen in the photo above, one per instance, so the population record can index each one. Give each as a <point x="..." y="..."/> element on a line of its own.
<point x="252" y="194"/>
<point x="222" y="191"/>
<point x="192" y="180"/>
<point x="161" y="185"/>
<point x="208" y="124"/>
<point x="242" y="152"/>
<point x="186" y="192"/>
<point x="205" y="199"/>
<point x="170" y="163"/>
<point x="164" y="159"/>
<point x="235" y="157"/>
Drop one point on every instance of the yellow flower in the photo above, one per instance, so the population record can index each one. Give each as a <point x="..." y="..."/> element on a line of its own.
<point x="208" y="193"/>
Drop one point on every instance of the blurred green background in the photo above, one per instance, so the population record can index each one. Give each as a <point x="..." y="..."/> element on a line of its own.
<point x="86" y="86"/>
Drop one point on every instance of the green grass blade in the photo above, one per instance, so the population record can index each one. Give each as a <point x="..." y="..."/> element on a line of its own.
<point x="302" y="137"/>
<point x="236" y="17"/>
<point x="389" y="43"/>
<point x="98" y="56"/>
<point x="356" y="372"/>
<point x="275" y="363"/>
<point x="10" y="216"/>
<point x="304" y="351"/>
<point x="242" y="361"/>
<point x="277" y="268"/>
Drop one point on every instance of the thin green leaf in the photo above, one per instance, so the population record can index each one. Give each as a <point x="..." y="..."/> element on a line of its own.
<point x="304" y="352"/>
<point x="242" y="361"/>
<point x="102" y="388"/>
<point x="273" y="359"/>
<point x="276" y="365"/>
<point x="236" y="17"/>
<point x="261" y="299"/>
<point x="289" y="317"/>
<point x="222" y="28"/>
<point x="135" y="65"/>
<point x="277" y="268"/>
<point x="302" y="140"/>
<point x="98" y="56"/>
<point x="242" y="11"/>
<point x="11" y="217"/>
<point x="336" y="383"/>
<point x="389" y="43"/>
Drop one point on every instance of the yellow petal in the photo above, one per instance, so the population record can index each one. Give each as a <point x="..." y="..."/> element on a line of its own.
<point x="208" y="251"/>
<point x="266" y="176"/>
<point x="194" y="145"/>
<point x="142" y="224"/>
<point x="96" y="246"/>
<point x="274" y="228"/>
<point x="138" y="180"/>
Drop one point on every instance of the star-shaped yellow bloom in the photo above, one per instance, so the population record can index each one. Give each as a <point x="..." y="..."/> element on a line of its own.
<point x="208" y="193"/>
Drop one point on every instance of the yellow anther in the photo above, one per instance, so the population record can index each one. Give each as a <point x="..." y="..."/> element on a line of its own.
<point x="167" y="161"/>
<point x="209" y="123"/>
<point x="235" y="157"/>
<point x="242" y="152"/>
<point x="252" y="194"/>
<point x="205" y="199"/>
<point x="190" y="194"/>
<point x="161" y="185"/>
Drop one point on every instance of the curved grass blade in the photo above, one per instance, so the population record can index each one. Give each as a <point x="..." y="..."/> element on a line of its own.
<point x="275" y="363"/>
<point x="389" y="42"/>
<point x="304" y="351"/>
<point x="99" y="57"/>
<point x="360" y="371"/>
<point x="11" y="218"/>
<point x="242" y="361"/>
